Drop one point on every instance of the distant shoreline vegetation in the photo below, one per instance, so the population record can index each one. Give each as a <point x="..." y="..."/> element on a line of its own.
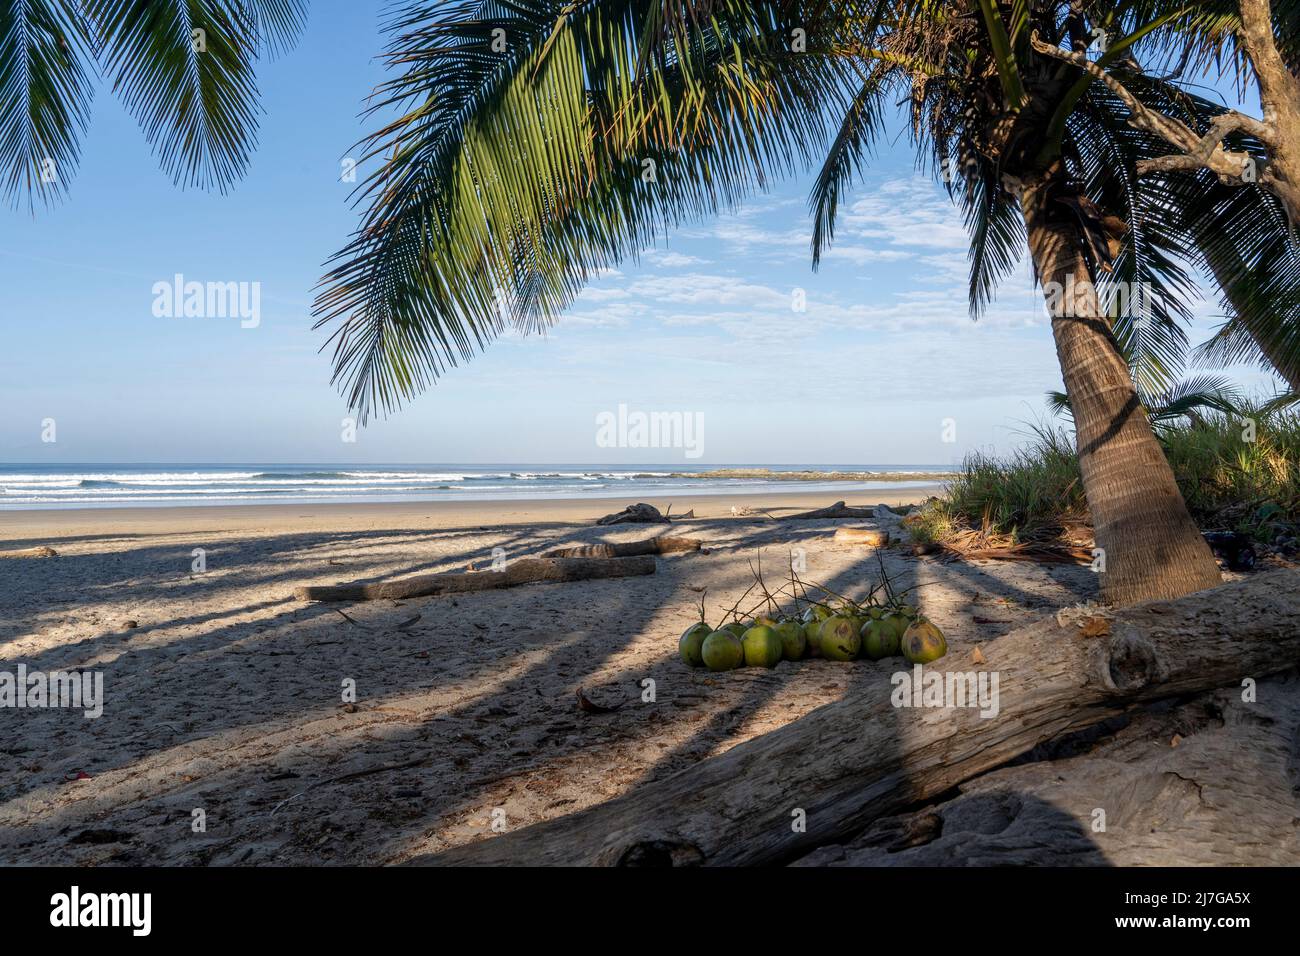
<point x="762" y="473"/>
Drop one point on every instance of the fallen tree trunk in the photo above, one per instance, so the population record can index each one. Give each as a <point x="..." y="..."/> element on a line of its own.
<point x="868" y="536"/>
<point x="41" y="552"/>
<point x="663" y="544"/>
<point x="837" y="510"/>
<point x="1205" y="783"/>
<point x="640" y="513"/>
<point x="863" y="758"/>
<point x="522" y="571"/>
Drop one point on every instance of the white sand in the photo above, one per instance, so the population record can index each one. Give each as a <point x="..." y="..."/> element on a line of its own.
<point x="226" y="694"/>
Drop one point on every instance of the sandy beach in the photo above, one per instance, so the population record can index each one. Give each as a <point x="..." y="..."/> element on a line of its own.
<point x="224" y="695"/>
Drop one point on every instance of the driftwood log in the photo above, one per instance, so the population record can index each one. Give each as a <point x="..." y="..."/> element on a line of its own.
<point x="640" y="513"/>
<point x="1208" y="782"/>
<point x="837" y="510"/>
<point x="855" y="761"/>
<point x="522" y="571"/>
<point x="871" y="537"/>
<point x="41" y="552"/>
<point x="662" y="544"/>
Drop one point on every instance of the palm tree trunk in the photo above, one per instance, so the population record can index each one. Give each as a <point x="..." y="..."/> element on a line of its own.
<point x="1149" y="545"/>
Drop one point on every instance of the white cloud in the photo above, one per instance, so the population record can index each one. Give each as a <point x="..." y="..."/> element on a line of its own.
<point x="907" y="212"/>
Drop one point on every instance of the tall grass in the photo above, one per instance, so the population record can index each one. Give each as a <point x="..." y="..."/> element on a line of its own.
<point x="1034" y="491"/>
<point x="1238" y="472"/>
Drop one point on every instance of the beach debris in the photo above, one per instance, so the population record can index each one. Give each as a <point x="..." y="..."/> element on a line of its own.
<point x="588" y="706"/>
<point x="130" y="625"/>
<point x="837" y="510"/>
<point x="350" y="620"/>
<point x="976" y="655"/>
<point x="522" y="571"/>
<point x="640" y="513"/>
<point x="872" y="537"/>
<point x="661" y="544"/>
<point x="41" y="552"/>
<point x="97" y="836"/>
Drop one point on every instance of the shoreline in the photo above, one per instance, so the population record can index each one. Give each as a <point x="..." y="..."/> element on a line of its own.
<point x="52" y="523"/>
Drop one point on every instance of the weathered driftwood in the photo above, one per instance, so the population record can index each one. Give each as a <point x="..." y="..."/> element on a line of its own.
<point x="640" y="513"/>
<point x="40" y="552"/>
<point x="662" y="544"/>
<point x="850" y="763"/>
<point x="521" y="571"/>
<point x="837" y="510"/>
<point x="1206" y="783"/>
<point x="872" y="537"/>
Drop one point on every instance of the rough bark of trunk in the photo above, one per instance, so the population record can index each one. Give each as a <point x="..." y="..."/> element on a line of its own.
<point x="1149" y="544"/>
<point x="1209" y="782"/>
<point x="662" y="544"/>
<point x="850" y="763"/>
<point x="1279" y="97"/>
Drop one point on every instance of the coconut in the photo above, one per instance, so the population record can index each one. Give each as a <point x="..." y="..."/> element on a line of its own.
<point x="812" y="632"/>
<point x="737" y="628"/>
<point x="722" y="651"/>
<point x="763" y="648"/>
<point x="839" y="638"/>
<point x="923" y="642"/>
<point x="691" y="641"/>
<point x="879" y="639"/>
<point x="817" y="612"/>
<point x="793" y="642"/>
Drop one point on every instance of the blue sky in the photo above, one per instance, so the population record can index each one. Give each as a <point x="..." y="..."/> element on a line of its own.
<point x="882" y="355"/>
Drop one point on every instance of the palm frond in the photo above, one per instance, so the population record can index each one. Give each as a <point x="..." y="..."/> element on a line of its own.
<point x="184" y="68"/>
<point x="46" y="88"/>
<point x="542" y="141"/>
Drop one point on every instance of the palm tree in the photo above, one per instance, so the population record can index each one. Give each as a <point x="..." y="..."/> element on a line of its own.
<point x="183" y="68"/>
<point x="1234" y="206"/>
<point x="515" y="171"/>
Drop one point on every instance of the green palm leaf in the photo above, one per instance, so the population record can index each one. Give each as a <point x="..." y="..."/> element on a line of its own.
<point x="46" y="88"/>
<point x="541" y="141"/>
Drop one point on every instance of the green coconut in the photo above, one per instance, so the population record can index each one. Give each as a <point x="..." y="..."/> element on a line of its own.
<point x="793" y="642"/>
<point x="737" y="628"/>
<point x="722" y="651"/>
<point x="691" y="641"/>
<point x="879" y="639"/>
<point x="898" y="622"/>
<point x="839" y="638"/>
<point x="816" y="612"/>
<point x="763" y="647"/>
<point x="923" y="642"/>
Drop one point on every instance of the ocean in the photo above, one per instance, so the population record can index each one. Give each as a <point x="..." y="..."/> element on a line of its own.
<point x="27" y="486"/>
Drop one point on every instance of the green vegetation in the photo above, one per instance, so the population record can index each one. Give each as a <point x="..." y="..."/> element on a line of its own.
<point x="1238" y="471"/>
<point x="1234" y="483"/>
